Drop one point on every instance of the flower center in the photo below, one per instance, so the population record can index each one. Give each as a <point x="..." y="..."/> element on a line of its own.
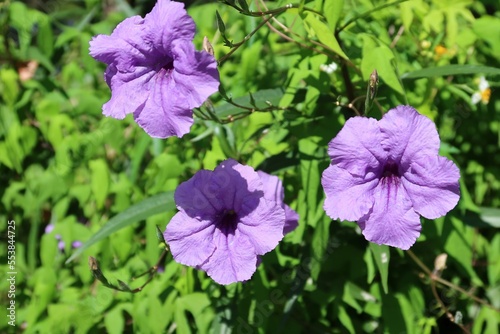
<point x="228" y="222"/>
<point x="168" y="66"/>
<point x="390" y="173"/>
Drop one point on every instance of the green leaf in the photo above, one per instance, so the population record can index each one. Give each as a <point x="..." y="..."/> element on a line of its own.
<point x="442" y="71"/>
<point x="262" y="99"/>
<point x="224" y="135"/>
<point x="113" y="321"/>
<point x="346" y="320"/>
<point x="490" y="216"/>
<point x="151" y="206"/>
<point x="379" y="57"/>
<point x="9" y="85"/>
<point x="243" y="4"/>
<point x="494" y="268"/>
<point x="333" y="10"/>
<point x="320" y="243"/>
<point x="487" y="321"/>
<point x="100" y="181"/>
<point x="324" y="34"/>
<point x="487" y="28"/>
<point x="45" y="38"/>
<point x="220" y="23"/>
<point x="459" y="247"/>
<point x="382" y="256"/>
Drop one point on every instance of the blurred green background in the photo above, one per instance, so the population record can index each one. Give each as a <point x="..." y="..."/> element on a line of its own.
<point x="66" y="170"/>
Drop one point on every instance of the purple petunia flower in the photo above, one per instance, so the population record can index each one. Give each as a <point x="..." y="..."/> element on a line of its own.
<point x="386" y="173"/>
<point x="154" y="70"/>
<point x="227" y="218"/>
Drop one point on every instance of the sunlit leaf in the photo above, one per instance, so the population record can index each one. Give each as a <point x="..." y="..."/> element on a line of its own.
<point x="151" y="206"/>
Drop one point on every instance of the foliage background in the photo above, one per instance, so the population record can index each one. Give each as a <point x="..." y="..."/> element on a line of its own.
<point x="63" y="163"/>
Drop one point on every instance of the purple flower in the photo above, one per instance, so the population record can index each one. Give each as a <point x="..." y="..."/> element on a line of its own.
<point x="386" y="173"/>
<point x="60" y="243"/>
<point x="274" y="191"/>
<point x="154" y="71"/>
<point x="76" y="244"/>
<point x="49" y="228"/>
<point x="227" y="219"/>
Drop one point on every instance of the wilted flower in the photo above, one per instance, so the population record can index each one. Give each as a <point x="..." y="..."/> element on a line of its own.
<point x="154" y="71"/>
<point x="386" y="173"/>
<point x="484" y="92"/>
<point x="227" y="218"/>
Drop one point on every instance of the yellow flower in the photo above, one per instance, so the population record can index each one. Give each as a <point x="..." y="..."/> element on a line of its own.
<point x="484" y="92"/>
<point x="440" y="50"/>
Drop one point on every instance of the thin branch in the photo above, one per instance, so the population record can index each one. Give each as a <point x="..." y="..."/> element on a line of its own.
<point x="436" y="278"/>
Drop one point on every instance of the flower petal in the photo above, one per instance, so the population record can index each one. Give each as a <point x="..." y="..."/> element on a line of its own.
<point x="356" y="147"/>
<point x="190" y="239"/>
<point x="129" y="91"/>
<point x="165" y="113"/>
<point x="126" y="48"/>
<point x="263" y="226"/>
<point x="233" y="260"/>
<point x="240" y="186"/>
<point x="129" y="71"/>
<point x="291" y="220"/>
<point x="274" y="191"/>
<point x="476" y="98"/>
<point x="392" y="220"/>
<point x="407" y="134"/>
<point x="200" y="196"/>
<point x="195" y="75"/>
<point x="432" y="185"/>
<point x="272" y="186"/>
<point x="168" y="21"/>
<point x="348" y="197"/>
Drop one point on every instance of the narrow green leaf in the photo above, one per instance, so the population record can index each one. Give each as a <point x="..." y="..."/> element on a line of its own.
<point x="220" y="23"/>
<point x="451" y="70"/>
<point x="124" y="286"/>
<point x="243" y="4"/>
<point x="224" y="135"/>
<point x="345" y="320"/>
<point x="151" y="206"/>
<point x="159" y="234"/>
<point x="319" y="243"/>
<point x="382" y="256"/>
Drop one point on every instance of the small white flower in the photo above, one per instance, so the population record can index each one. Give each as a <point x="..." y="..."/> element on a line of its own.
<point x="484" y="93"/>
<point x="384" y="257"/>
<point x="330" y="68"/>
<point x="367" y="297"/>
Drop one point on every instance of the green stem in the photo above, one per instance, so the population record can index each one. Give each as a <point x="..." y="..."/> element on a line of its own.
<point x="368" y="13"/>
<point x="247" y="37"/>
